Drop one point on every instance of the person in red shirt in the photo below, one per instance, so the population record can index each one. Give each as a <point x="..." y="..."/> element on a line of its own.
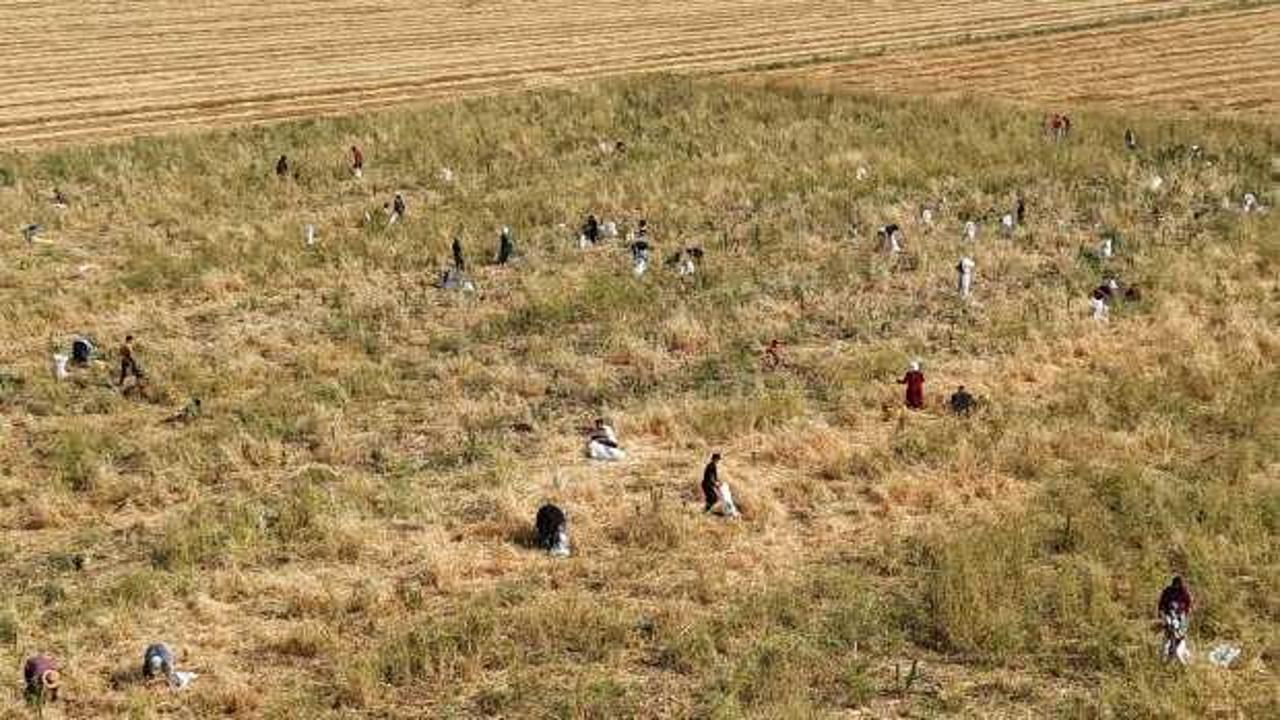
<point x="914" y="380"/>
<point x="357" y="161"/>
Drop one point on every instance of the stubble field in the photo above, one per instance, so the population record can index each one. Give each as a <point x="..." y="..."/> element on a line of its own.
<point x="79" y="70"/>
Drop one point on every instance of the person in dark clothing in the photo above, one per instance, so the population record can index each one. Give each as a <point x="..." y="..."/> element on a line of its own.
<point x="591" y="229"/>
<point x="40" y="679"/>
<point x="1130" y="140"/>
<point x="711" y="483"/>
<point x="1020" y="211"/>
<point x="81" y="351"/>
<point x="459" y="262"/>
<point x="552" y="528"/>
<point x="128" y="365"/>
<point x="1175" y="598"/>
<point x="1174" y="608"/>
<point x="1106" y="291"/>
<point x="282" y="166"/>
<point x="157" y="661"/>
<point x="506" y="246"/>
<point x="914" y="380"/>
<point x="962" y="402"/>
<point x="639" y="250"/>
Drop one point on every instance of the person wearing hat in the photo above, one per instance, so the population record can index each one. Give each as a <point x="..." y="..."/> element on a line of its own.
<point x="914" y="380"/>
<point x="40" y="677"/>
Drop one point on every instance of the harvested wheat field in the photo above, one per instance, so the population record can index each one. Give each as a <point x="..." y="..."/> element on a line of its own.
<point x="1224" y="61"/>
<point x="344" y="528"/>
<point x="88" y="69"/>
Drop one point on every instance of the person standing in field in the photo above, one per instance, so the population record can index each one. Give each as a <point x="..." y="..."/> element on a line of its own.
<point x="506" y="246"/>
<point x="357" y="161"/>
<point x="128" y="365"/>
<point x="914" y="380"/>
<point x="282" y="166"/>
<point x="711" y="483"/>
<point x="964" y="276"/>
<point x="395" y="211"/>
<point x="1174" y="609"/>
<point x="459" y="262"/>
<point x="590" y="231"/>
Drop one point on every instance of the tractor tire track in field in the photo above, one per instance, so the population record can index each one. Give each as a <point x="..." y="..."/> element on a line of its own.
<point x="113" y="68"/>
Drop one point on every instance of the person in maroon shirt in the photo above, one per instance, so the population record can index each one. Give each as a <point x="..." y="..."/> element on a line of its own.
<point x="914" y="380"/>
<point x="1174" y="609"/>
<point x="357" y="161"/>
<point x="40" y="678"/>
<point x="1175" y="598"/>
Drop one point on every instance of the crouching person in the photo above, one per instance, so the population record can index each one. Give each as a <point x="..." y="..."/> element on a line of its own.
<point x="158" y="662"/>
<point x="602" y="443"/>
<point x="40" y="679"/>
<point x="716" y="491"/>
<point x="553" y="530"/>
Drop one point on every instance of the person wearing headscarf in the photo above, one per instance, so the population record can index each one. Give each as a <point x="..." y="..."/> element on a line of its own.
<point x="602" y="442"/>
<point x="41" y="678"/>
<point x="158" y="662"/>
<point x="914" y="380"/>
<point x="552" y="527"/>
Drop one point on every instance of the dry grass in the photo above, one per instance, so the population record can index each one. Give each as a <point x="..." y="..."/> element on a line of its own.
<point x="103" y="68"/>
<point x="352" y="510"/>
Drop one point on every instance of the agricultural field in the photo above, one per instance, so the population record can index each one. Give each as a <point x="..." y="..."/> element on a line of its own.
<point x="1224" y="62"/>
<point x="344" y="529"/>
<point x="89" y="69"/>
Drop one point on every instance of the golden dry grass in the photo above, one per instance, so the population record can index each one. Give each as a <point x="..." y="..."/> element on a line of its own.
<point x="1225" y="62"/>
<point x="73" y="71"/>
<point x="351" y="508"/>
